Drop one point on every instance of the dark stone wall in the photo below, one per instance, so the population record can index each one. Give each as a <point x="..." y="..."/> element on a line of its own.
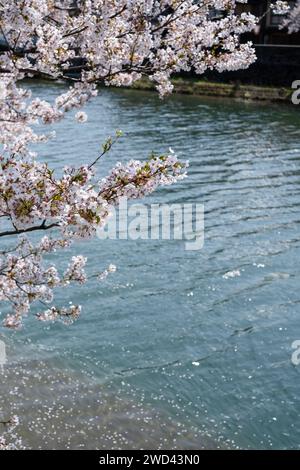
<point x="276" y="66"/>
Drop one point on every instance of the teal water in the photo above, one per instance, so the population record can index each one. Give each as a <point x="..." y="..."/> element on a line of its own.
<point x="168" y="353"/>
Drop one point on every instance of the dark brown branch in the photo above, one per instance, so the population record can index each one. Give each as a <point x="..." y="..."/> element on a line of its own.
<point x="43" y="226"/>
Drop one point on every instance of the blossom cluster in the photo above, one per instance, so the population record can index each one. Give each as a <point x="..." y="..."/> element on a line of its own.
<point x="280" y="7"/>
<point x="122" y="40"/>
<point x="115" y="42"/>
<point x="291" y="14"/>
<point x="76" y="205"/>
<point x="293" y="20"/>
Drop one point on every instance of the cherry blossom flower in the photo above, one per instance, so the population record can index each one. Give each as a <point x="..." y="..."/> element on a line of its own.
<point x="81" y="116"/>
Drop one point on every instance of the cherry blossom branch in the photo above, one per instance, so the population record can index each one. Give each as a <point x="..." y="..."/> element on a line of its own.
<point x="27" y="230"/>
<point x="117" y="43"/>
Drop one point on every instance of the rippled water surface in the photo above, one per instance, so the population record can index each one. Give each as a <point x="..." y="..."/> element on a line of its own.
<point x="169" y="352"/>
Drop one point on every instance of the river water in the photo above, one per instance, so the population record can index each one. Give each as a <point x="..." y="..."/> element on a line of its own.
<point x="169" y="352"/>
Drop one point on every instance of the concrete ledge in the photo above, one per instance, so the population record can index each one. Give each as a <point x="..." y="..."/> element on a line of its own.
<point x="205" y="88"/>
